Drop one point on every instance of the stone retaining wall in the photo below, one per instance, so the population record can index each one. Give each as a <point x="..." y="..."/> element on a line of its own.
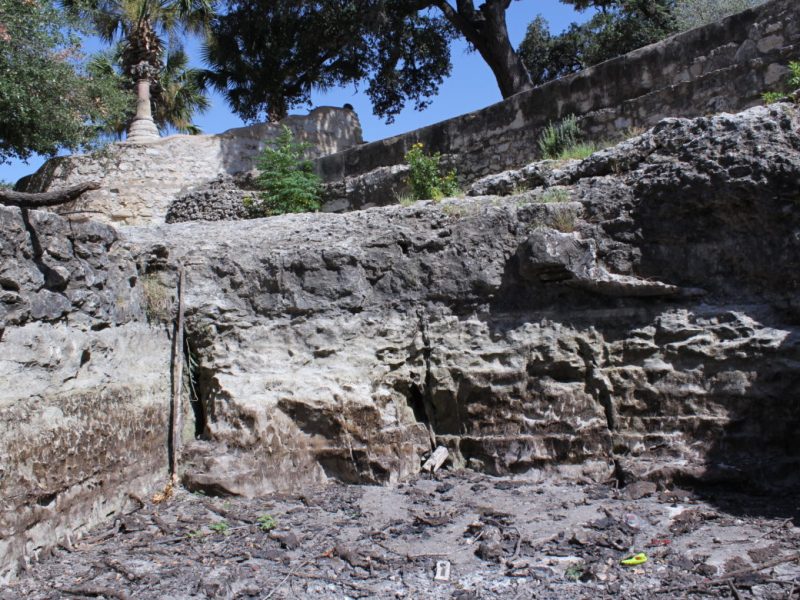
<point x="725" y="66"/>
<point x="139" y="181"/>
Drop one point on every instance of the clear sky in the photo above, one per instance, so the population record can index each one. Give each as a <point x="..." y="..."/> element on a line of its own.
<point x="470" y="87"/>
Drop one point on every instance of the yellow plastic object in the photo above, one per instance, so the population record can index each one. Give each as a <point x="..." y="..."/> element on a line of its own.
<point x="636" y="559"/>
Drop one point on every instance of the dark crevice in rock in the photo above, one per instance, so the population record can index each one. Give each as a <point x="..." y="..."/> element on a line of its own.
<point x="53" y="281"/>
<point x="597" y="386"/>
<point x="195" y="399"/>
<point x="427" y="397"/>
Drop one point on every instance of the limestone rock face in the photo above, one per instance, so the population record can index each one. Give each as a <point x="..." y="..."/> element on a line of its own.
<point x="646" y="324"/>
<point x="84" y="382"/>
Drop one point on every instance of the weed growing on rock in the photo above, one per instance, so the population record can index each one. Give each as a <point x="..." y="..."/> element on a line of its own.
<point x="425" y="176"/>
<point x="286" y="178"/>
<point x="554" y="195"/>
<point x="558" y="137"/>
<point x="792" y="86"/>
<point x="563" y="220"/>
<point x="266" y="523"/>
<point x="220" y="527"/>
<point x="157" y="299"/>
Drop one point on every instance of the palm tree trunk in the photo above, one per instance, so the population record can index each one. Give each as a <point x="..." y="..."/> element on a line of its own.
<point x="143" y="128"/>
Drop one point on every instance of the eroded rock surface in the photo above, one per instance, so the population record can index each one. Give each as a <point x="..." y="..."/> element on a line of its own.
<point x="84" y="382"/>
<point x="645" y="325"/>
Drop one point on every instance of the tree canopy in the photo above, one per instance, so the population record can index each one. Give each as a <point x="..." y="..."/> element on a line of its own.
<point x="618" y="27"/>
<point x="48" y="100"/>
<point x="267" y="56"/>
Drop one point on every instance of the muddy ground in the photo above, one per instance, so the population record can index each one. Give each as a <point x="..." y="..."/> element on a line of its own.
<point x="501" y="538"/>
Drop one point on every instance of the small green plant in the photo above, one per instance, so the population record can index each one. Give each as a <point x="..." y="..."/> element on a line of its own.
<point x="425" y="176"/>
<point x="406" y="199"/>
<point x="157" y="299"/>
<point x="286" y="178"/>
<point x="563" y="220"/>
<point x="266" y="522"/>
<point x="579" y="151"/>
<point x="574" y="572"/>
<point x="195" y="534"/>
<point x="557" y="137"/>
<point x="792" y="85"/>
<point x="220" y="527"/>
<point x="554" y="195"/>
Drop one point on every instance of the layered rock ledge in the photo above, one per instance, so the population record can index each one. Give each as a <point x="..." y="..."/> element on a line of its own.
<point x="632" y="315"/>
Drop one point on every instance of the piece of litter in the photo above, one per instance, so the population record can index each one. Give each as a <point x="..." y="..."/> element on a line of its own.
<point x="442" y="570"/>
<point x="436" y="460"/>
<point x="636" y="559"/>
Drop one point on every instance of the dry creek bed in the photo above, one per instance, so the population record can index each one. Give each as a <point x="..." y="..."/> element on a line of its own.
<point x="500" y="538"/>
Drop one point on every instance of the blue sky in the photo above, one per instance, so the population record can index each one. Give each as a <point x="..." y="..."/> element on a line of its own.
<point x="470" y="87"/>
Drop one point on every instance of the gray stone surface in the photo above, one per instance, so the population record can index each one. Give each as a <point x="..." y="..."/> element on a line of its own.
<point x="84" y="382"/>
<point x="218" y="200"/>
<point x="641" y="323"/>
<point x="654" y="334"/>
<point x="139" y="181"/>
<point x="723" y="66"/>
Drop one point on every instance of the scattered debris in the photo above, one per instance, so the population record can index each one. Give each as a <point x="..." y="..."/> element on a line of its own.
<point x="442" y="570"/>
<point x="635" y="560"/>
<point x="459" y="535"/>
<point x="436" y="460"/>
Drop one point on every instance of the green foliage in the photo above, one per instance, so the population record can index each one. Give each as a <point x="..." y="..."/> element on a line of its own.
<point x="696" y="13"/>
<point x="266" y="523"/>
<point x="575" y="572"/>
<point x="558" y="138"/>
<point x="554" y="195"/>
<point x="579" y="151"/>
<point x="425" y="176"/>
<point x="618" y="28"/>
<point x="48" y="100"/>
<point x="178" y="93"/>
<point x="563" y="219"/>
<point x="220" y="527"/>
<point x="267" y="56"/>
<point x="792" y="85"/>
<point x="288" y="181"/>
<point x="773" y="97"/>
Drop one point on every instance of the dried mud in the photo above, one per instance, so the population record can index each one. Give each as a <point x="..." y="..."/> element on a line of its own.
<point x="519" y="537"/>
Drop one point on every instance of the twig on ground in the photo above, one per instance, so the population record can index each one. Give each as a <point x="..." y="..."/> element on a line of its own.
<point x="734" y="591"/>
<point x="776" y="528"/>
<point x="95" y="592"/>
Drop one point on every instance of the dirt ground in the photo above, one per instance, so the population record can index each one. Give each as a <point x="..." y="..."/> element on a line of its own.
<point x="500" y="538"/>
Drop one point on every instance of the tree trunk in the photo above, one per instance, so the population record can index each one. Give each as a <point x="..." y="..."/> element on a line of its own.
<point x="143" y="128"/>
<point x="40" y="200"/>
<point x="487" y="31"/>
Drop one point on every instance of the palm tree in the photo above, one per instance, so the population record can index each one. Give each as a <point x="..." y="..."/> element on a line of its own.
<point x="144" y="28"/>
<point x="177" y="94"/>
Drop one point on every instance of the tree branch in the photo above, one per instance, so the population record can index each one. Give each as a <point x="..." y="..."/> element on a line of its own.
<point x="26" y="200"/>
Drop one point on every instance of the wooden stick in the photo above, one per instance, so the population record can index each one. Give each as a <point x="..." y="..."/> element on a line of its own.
<point x="43" y="199"/>
<point x="176" y="416"/>
<point x="724" y="579"/>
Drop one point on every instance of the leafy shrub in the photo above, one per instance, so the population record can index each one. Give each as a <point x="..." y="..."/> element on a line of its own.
<point x="287" y="180"/>
<point x="559" y="137"/>
<point x="793" y="84"/>
<point x="266" y="523"/>
<point x="425" y="176"/>
<point x="696" y="13"/>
